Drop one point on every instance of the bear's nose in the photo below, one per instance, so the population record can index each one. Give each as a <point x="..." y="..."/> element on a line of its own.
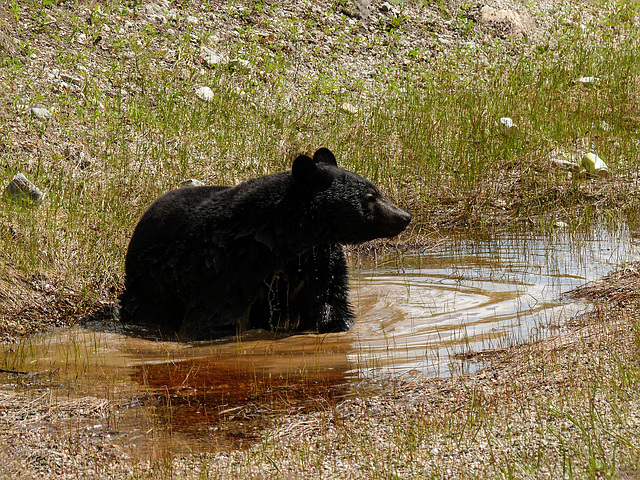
<point x="394" y="219"/>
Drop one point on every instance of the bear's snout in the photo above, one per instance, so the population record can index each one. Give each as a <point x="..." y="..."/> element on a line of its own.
<point x="392" y="219"/>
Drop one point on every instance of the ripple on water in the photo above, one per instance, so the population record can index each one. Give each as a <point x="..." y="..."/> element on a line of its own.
<point x="472" y="295"/>
<point x="413" y="313"/>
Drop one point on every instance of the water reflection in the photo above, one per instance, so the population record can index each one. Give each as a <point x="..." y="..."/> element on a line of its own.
<point x="471" y="295"/>
<point x="413" y="313"/>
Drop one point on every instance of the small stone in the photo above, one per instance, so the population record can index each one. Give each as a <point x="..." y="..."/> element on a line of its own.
<point x="507" y="23"/>
<point x="191" y="182"/>
<point x="191" y="20"/>
<point x="211" y="59"/>
<point x="81" y="39"/>
<point x="21" y="189"/>
<point x="560" y="224"/>
<point x="40" y="113"/>
<point x="386" y="7"/>
<point x="364" y="9"/>
<point x="205" y="93"/>
<point x="507" y="123"/>
<point x="347" y="107"/>
<point x="589" y="81"/>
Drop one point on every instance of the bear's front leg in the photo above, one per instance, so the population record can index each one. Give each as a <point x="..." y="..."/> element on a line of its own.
<point x="206" y="320"/>
<point x="319" y="290"/>
<point x="146" y="302"/>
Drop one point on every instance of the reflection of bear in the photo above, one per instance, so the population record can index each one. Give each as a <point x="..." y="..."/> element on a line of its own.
<point x="206" y="262"/>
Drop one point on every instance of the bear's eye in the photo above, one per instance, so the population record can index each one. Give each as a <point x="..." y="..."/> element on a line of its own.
<point x="369" y="197"/>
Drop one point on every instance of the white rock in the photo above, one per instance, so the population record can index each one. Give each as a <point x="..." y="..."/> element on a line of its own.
<point x="212" y="59"/>
<point x="191" y="182"/>
<point x="507" y="123"/>
<point x="205" y="93"/>
<point x="347" y="107"/>
<point x="41" y="114"/>
<point x="589" y="81"/>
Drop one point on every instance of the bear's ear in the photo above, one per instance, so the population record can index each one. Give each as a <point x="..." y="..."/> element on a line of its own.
<point x="324" y="155"/>
<point x="308" y="175"/>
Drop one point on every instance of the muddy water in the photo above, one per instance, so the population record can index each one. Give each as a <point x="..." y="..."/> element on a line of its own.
<point x="421" y="313"/>
<point x="415" y="312"/>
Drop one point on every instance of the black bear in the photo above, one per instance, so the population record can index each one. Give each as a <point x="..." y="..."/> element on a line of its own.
<point x="206" y="262"/>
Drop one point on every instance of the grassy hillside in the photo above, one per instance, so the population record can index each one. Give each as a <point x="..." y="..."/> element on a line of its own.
<point x="407" y="93"/>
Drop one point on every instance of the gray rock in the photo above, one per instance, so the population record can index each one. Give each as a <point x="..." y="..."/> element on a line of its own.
<point x="363" y="7"/>
<point x="20" y="189"/>
<point x="386" y="7"/>
<point x="212" y="59"/>
<point x="40" y="113"/>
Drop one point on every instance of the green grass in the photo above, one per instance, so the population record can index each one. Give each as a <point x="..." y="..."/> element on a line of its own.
<point x="428" y="135"/>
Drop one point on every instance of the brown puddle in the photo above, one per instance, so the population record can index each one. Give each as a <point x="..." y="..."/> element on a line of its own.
<point x="171" y="397"/>
<point x="222" y="403"/>
<point x="416" y="315"/>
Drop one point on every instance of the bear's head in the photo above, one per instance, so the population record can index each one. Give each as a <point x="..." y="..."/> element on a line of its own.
<point x="345" y="206"/>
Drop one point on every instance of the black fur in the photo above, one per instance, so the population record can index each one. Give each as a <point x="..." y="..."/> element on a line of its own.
<point x="206" y="262"/>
